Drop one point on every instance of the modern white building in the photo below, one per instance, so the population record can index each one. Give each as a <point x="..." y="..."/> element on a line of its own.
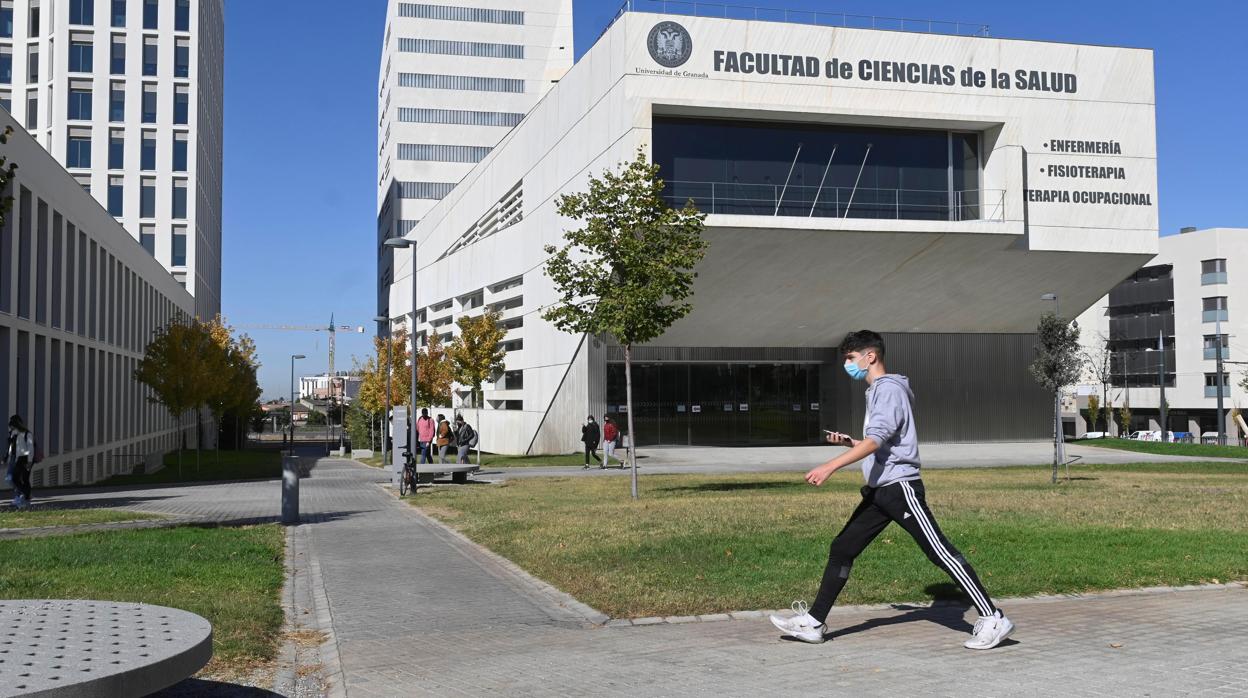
<point x="127" y="94"/>
<point x="1178" y="302"/>
<point x="319" y="387"/>
<point x="454" y="80"/>
<point x="79" y="299"/>
<point x="930" y="187"/>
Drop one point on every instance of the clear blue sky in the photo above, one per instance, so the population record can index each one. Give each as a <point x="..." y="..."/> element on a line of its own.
<point x="301" y="116"/>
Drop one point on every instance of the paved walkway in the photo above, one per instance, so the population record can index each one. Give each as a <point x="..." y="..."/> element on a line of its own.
<point x="414" y="609"/>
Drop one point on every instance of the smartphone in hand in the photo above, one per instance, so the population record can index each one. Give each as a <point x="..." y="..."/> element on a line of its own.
<point x="837" y="439"/>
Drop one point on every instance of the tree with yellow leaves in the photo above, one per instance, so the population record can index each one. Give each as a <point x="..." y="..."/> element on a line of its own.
<point x="476" y="356"/>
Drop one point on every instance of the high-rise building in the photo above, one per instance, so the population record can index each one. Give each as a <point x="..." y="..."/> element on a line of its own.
<point x="454" y="79"/>
<point x="127" y="95"/>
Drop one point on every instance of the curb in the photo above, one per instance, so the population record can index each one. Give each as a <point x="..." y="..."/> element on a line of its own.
<point x="942" y="603"/>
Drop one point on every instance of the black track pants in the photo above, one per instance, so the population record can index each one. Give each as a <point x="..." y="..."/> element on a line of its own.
<point x="904" y="503"/>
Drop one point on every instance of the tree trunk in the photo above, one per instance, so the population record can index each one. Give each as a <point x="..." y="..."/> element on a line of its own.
<point x="1057" y="433"/>
<point x="628" y="399"/>
<point x="476" y="402"/>
<point x="199" y="436"/>
<point x="181" y="445"/>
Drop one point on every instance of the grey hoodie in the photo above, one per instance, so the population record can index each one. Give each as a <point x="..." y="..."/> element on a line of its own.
<point x="890" y="423"/>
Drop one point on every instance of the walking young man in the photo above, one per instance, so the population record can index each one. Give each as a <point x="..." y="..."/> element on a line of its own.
<point x="889" y="451"/>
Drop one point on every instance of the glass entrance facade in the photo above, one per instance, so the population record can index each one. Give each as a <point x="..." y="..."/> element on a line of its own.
<point x="719" y="403"/>
<point x="820" y="170"/>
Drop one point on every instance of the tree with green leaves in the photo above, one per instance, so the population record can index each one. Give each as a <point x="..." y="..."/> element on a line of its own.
<point x="435" y="374"/>
<point x="1094" y="412"/>
<point x="477" y="356"/>
<point x="627" y="271"/>
<point x="1057" y="366"/>
<point x="237" y="394"/>
<point x="182" y="365"/>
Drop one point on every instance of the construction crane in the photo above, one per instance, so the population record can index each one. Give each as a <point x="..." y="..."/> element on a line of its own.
<point x="331" y="328"/>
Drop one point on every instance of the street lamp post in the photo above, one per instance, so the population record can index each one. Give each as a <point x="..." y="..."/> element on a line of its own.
<point x="1161" y="384"/>
<point x="401" y="243"/>
<point x="1218" y="367"/>
<point x="292" y="400"/>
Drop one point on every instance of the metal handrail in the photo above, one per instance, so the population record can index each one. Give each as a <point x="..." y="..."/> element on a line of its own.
<point x="834" y="201"/>
<point x="693" y="8"/>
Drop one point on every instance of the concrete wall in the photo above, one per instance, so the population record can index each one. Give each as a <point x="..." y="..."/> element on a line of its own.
<point x="79" y="300"/>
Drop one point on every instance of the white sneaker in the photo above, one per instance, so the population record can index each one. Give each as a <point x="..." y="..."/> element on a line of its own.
<point x="802" y="625"/>
<point x="989" y="632"/>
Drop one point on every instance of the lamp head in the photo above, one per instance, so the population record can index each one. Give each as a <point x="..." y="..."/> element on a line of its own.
<point x="1049" y="297"/>
<point x="398" y="243"/>
<point x="298" y="356"/>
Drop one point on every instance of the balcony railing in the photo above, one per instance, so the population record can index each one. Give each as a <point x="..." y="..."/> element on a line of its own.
<point x="1213" y="315"/>
<point x="838" y="202"/>
<point x="818" y="18"/>
<point x="1211" y="353"/>
<point x="1212" y="391"/>
<point x="1213" y="277"/>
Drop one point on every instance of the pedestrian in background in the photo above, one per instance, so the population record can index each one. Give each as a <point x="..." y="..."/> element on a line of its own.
<point x="610" y="437"/>
<point x="20" y="456"/>
<point x="445" y="438"/>
<point x="591" y="437"/>
<point x="465" y="438"/>
<point x="424" y="435"/>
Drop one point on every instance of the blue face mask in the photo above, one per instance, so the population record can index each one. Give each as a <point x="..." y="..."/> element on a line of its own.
<point x="855" y="371"/>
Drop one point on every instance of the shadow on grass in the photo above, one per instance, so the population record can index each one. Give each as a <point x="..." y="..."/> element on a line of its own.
<point x="734" y="487"/>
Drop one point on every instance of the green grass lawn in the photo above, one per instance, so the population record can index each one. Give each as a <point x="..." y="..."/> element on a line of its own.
<point x="37" y="516"/>
<point x="213" y="465"/>
<point x="1168" y="449"/>
<point x="705" y="544"/>
<point x="230" y="576"/>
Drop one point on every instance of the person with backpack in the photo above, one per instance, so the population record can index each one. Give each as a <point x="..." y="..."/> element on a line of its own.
<point x="445" y="438"/>
<point x="591" y="437"/>
<point x="20" y="456"/>
<point x="424" y="435"/>
<point x="465" y="437"/>
<point x="610" y="439"/>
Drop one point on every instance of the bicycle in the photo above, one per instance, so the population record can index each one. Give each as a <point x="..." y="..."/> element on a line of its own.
<point x="407" y="481"/>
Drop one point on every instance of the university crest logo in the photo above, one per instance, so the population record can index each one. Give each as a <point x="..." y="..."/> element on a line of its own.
<point x="669" y="44"/>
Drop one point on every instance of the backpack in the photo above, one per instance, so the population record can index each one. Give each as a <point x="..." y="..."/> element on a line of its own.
<point x="472" y="436"/>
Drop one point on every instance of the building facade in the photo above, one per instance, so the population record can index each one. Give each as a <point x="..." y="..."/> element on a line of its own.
<point x="454" y="80"/>
<point x="79" y="300"/>
<point x="128" y="95"/>
<point x="1167" y="320"/>
<point x="933" y="188"/>
<point x="344" y="387"/>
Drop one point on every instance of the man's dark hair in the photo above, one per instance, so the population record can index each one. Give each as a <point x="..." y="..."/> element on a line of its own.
<point x="863" y="340"/>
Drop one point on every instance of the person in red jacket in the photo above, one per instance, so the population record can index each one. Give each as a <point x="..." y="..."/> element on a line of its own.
<point x="610" y="435"/>
<point x="424" y="435"/>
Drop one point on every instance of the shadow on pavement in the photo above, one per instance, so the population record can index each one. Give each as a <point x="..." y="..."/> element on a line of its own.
<point x="213" y="689"/>
<point x="52" y="503"/>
